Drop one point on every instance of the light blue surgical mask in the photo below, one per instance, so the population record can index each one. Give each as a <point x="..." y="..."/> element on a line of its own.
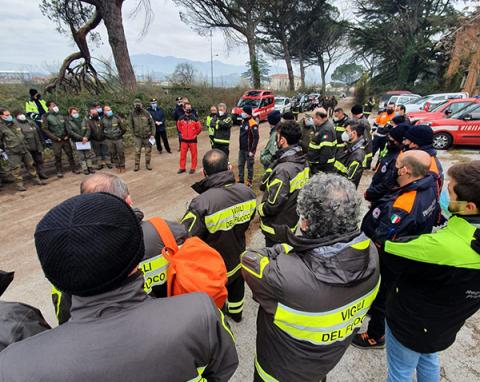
<point x="445" y="202"/>
<point x="99" y="110"/>
<point x="9" y="119"/>
<point x="244" y="115"/>
<point x="109" y="113"/>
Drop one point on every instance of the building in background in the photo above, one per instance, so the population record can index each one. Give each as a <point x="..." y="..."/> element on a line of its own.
<point x="279" y="82"/>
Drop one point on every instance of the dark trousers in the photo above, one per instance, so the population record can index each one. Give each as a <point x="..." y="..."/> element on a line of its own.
<point x="64" y="146"/>
<point x="101" y="152"/>
<point x="243" y="158"/>
<point x="269" y="242"/>
<point x="37" y="157"/>
<point x="236" y="296"/>
<point x="224" y="148"/>
<point x="163" y="136"/>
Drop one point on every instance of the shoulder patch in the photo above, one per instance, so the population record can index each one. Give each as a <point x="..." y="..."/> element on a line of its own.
<point x="405" y="201"/>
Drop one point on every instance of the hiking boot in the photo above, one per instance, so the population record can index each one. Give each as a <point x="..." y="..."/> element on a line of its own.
<point x="21" y="187"/>
<point x="43" y="176"/>
<point x="192" y="171"/>
<point x="38" y="182"/>
<point x="100" y="166"/>
<point x="86" y="172"/>
<point x="76" y="171"/>
<point x="59" y="174"/>
<point x="148" y="167"/>
<point x="109" y="165"/>
<point x="91" y="170"/>
<point x="364" y="341"/>
<point x="181" y="171"/>
<point x="137" y="167"/>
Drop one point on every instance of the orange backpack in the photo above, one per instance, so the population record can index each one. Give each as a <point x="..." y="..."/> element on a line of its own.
<point x="195" y="267"/>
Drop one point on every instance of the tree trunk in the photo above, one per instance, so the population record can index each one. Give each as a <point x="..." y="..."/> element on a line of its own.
<point x="112" y="17"/>
<point x="288" y="61"/>
<point x="256" y="78"/>
<point x="302" y="71"/>
<point x="323" y="74"/>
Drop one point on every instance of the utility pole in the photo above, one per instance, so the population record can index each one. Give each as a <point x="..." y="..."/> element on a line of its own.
<point x="211" y="56"/>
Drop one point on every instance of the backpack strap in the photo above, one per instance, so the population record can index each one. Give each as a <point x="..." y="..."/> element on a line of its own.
<point x="165" y="233"/>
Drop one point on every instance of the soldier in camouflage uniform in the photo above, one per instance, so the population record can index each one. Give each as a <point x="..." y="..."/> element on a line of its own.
<point x="143" y="128"/>
<point x="79" y="132"/>
<point x="114" y="129"/>
<point x="13" y="142"/>
<point x="54" y="127"/>
<point x="32" y="140"/>
<point x="99" y="143"/>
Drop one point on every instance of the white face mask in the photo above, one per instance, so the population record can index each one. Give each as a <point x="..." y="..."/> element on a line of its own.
<point x="309" y="122"/>
<point x="221" y="113"/>
<point x="21" y="117"/>
<point x="55" y="109"/>
<point x="345" y="137"/>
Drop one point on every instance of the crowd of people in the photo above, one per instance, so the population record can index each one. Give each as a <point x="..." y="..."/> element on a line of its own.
<point x="411" y="263"/>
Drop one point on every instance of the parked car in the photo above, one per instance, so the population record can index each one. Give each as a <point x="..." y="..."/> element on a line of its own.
<point x="261" y="101"/>
<point x="385" y="98"/>
<point x="427" y="102"/>
<point x="403" y="99"/>
<point x="461" y="128"/>
<point x="283" y="104"/>
<point x="442" y="110"/>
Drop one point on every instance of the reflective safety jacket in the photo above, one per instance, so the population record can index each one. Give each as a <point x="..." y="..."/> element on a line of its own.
<point x="381" y="121"/>
<point x="339" y="129"/>
<point x="30" y="132"/>
<point x="281" y="185"/>
<point x="313" y="296"/>
<point x="322" y="148"/>
<point x="18" y="321"/>
<point x="438" y="288"/>
<point x="32" y="110"/>
<point x="141" y="123"/>
<point x="54" y="126"/>
<point x="349" y="162"/>
<point x="385" y="178"/>
<point x="113" y="127"/>
<point x="77" y="129"/>
<point x="367" y="136"/>
<point x="220" y="216"/>
<point x="153" y="266"/>
<point x="222" y="127"/>
<point x="210" y="122"/>
<point x="124" y="335"/>
<point x="11" y="138"/>
<point x="406" y="211"/>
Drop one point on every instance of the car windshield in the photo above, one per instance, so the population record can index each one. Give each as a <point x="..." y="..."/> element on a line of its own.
<point x="421" y="100"/>
<point x="279" y="101"/>
<point x="469" y="109"/>
<point x="248" y="102"/>
<point x="439" y="106"/>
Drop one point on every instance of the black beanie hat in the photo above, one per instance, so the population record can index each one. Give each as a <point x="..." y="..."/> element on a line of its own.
<point x="248" y="109"/>
<point x="398" y="132"/>
<point x="274" y="117"/>
<point x="33" y="92"/>
<point x="89" y="244"/>
<point x="421" y="135"/>
<point x="357" y="109"/>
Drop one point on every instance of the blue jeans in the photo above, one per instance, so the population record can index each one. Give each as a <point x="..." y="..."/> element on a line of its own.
<point x="402" y="362"/>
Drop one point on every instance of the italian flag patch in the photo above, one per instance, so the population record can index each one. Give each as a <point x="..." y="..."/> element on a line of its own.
<point x="395" y="219"/>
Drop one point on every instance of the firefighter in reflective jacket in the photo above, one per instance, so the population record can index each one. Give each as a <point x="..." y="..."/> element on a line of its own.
<point x="220" y="216"/>
<point x="210" y="122"/>
<point x="314" y="292"/>
<point x="36" y="107"/>
<point x="322" y="147"/>
<point x="349" y="162"/>
<point x="282" y="182"/>
<point x="340" y="120"/>
<point x="221" y="133"/>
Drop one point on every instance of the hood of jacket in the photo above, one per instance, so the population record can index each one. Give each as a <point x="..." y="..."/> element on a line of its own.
<point x="333" y="260"/>
<point x="5" y="280"/>
<point x="292" y="154"/>
<point x="420" y="185"/>
<point x="214" y="181"/>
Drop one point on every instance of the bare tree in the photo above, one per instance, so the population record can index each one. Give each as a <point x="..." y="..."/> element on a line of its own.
<point x="238" y="19"/>
<point x="183" y="75"/>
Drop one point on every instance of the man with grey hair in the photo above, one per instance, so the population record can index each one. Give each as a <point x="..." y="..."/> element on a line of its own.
<point x="221" y="131"/>
<point x="315" y="289"/>
<point x="323" y="145"/>
<point x="153" y="265"/>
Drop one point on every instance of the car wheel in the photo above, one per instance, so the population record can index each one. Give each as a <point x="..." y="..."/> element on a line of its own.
<point x="442" y="141"/>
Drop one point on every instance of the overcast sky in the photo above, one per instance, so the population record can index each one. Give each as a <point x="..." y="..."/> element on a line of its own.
<point x="28" y="37"/>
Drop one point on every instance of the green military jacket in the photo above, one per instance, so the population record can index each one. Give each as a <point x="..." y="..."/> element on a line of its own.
<point x="11" y="138"/>
<point x="77" y="130"/>
<point x="113" y="127"/>
<point x="141" y="123"/>
<point x="54" y="126"/>
<point x="30" y="132"/>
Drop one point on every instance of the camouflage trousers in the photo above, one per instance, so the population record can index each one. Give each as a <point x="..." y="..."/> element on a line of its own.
<point x="16" y="161"/>
<point x="139" y="144"/>
<point x="115" y="147"/>
<point x="101" y="152"/>
<point x="85" y="158"/>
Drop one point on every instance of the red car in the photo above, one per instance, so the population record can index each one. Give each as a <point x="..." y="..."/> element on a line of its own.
<point x="442" y="110"/>
<point x="261" y="101"/>
<point x="461" y="128"/>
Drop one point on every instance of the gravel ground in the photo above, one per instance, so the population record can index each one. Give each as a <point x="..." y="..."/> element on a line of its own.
<point x="163" y="192"/>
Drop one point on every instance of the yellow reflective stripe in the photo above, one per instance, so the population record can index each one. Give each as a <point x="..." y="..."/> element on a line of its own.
<point x="352" y="165"/>
<point x="331" y="160"/>
<point x="234" y="270"/>
<point x="340" y="167"/>
<point x="365" y="160"/>
<point x="225" y="326"/>
<point x="266" y="228"/>
<point x="236" y="304"/>
<point x="263" y="374"/>
<point x="154" y="272"/>
<point x="199" y="377"/>
<point x="263" y="263"/>
<point x="224" y="141"/>
<point x="300" y="180"/>
<point x="326" y="327"/>
<point x="57" y="293"/>
<point x="321" y="144"/>
<point x="340" y="129"/>
<point x="235" y="307"/>
<point x="260" y="209"/>
<point x="226" y="219"/>
<point x="190" y="215"/>
<point x="270" y="185"/>
<point x="287" y="248"/>
<point x="361" y="245"/>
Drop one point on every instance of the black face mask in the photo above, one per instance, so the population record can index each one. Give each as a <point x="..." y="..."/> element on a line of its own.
<point x="188" y="112"/>
<point x="389" y="112"/>
<point x="405" y="147"/>
<point x="138" y="107"/>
